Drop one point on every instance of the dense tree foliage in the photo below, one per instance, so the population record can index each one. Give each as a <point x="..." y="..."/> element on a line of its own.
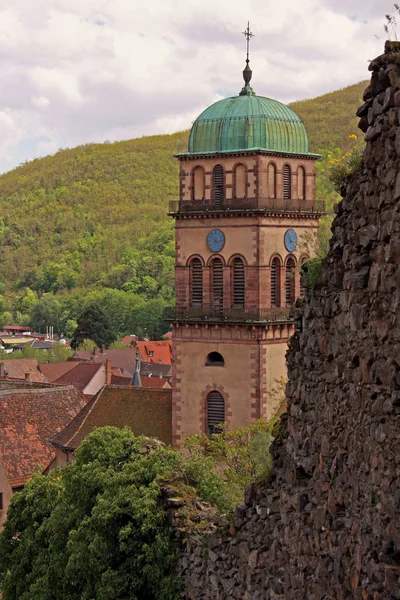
<point x="92" y="220"/>
<point x="97" y="528"/>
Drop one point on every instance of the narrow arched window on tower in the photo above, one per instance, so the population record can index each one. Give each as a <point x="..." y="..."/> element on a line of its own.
<point x="239" y="284"/>
<point x="290" y="281"/>
<point x="217" y="284"/>
<point x="271" y="180"/>
<point x="215" y="412"/>
<point x="287" y="183"/>
<point x="301" y="183"/>
<point x="276" y="282"/>
<point x="240" y="181"/>
<point x="196" y="282"/>
<point x="218" y="186"/>
<point x="198" y="183"/>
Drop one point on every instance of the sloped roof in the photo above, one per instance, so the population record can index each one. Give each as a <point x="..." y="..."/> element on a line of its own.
<point x="120" y="380"/>
<point x="81" y="375"/>
<point x="52" y="371"/>
<point x="29" y="418"/>
<point x="155" y="382"/>
<point x="146" y="411"/>
<point x="159" y="352"/>
<point x="120" y="357"/>
<point x="17" y="368"/>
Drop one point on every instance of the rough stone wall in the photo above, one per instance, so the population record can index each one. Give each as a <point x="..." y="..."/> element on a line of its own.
<point x="326" y="525"/>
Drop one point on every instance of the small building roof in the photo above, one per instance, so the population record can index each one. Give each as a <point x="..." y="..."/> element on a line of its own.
<point x="159" y="352"/>
<point x="53" y="371"/>
<point x="146" y="411"/>
<point x="18" y="368"/>
<point x="155" y="382"/>
<point x="123" y="358"/>
<point x="81" y="375"/>
<point x="29" y="418"/>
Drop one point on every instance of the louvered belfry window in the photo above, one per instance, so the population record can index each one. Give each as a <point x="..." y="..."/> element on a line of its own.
<point x="239" y="286"/>
<point x="287" y="183"/>
<point x="218" y="186"/>
<point x="290" y="281"/>
<point x="215" y="412"/>
<point x="196" y="282"/>
<point x="276" y="282"/>
<point x="218" y="283"/>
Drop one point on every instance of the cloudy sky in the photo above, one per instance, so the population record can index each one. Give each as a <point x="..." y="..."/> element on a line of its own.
<point x="77" y="71"/>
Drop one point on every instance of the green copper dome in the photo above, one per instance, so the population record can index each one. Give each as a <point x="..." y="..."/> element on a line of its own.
<point x="247" y="123"/>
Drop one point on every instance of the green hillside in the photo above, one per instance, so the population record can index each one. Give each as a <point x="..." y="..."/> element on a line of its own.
<point x="90" y="223"/>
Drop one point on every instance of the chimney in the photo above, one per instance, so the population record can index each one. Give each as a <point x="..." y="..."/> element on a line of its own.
<point x="108" y="372"/>
<point x="94" y="351"/>
<point x="2" y="370"/>
<point x="103" y="348"/>
<point x="28" y="376"/>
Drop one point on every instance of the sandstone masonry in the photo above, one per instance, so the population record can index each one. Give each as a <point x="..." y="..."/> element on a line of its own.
<point x="326" y="524"/>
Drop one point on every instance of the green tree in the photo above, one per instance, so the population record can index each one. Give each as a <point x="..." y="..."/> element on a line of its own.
<point x="94" y="323"/>
<point x="94" y="529"/>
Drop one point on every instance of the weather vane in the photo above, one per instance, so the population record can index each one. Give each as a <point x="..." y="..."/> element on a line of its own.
<point x="248" y="35"/>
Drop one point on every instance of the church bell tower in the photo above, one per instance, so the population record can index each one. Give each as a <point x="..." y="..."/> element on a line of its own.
<point x="246" y="208"/>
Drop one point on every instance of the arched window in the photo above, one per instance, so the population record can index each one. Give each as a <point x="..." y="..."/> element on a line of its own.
<point x="287" y="183"/>
<point x="240" y="181"/>
<point x="215" y="359"/>
<point x="301" y="183"/>
<point x="198" y="183"/>
<point x="272" y="180"/>
<point x="239" y="285"/>
<point x="218" y="186"/>
<point x="196" y="282"/>
<point x="276" y="282"/>
<point x="215" y="412"/>
<point x="290" y="281"/>
<point x="217" y="283"/>
<point x="303" y="275"/>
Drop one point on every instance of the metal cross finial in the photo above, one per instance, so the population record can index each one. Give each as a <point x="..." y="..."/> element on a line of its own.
<point x="248" y="35"/>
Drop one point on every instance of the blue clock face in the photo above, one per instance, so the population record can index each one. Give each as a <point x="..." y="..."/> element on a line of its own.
<point x="215" y="240"/>
<point x="290" y="240"/>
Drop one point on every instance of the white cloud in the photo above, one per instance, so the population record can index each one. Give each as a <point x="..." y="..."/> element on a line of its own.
<point x="76" y="71"/>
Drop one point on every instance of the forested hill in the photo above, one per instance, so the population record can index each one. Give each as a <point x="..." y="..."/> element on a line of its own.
<point x="94" y="218"/>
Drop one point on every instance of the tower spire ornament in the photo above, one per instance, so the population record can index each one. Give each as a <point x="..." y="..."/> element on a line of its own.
<point x="247" y="72"/>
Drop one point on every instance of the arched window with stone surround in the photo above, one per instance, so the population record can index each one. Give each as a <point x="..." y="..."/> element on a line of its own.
<point x="290" y="283"/>
<point x="217" y="284"/>
<point x="215" y="412"/>
<point x="196" y="282"/>
<point x="218" y="186"/>
<point x="271" y="180"/>
<point x="276" y="282"/>
<point x="240" y="181"/>
<point x="198" y="183"/>
<point x="239" y="283"/>
<point x="287" y="182"/>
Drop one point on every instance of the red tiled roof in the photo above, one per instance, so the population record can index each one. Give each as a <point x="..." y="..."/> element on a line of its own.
<point x="81" y="375"/>
<point x="128" y="339"/>
<point x="16" y="328"/>
<point x="154" y="382"/>
<point x="146" y="411"/>
<point x="119" y="380"/>
<point x="17" y="368"/>
<point x="29" y="418"/>
<point x="52" y="371"/>
<point x="156" y="352"/>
